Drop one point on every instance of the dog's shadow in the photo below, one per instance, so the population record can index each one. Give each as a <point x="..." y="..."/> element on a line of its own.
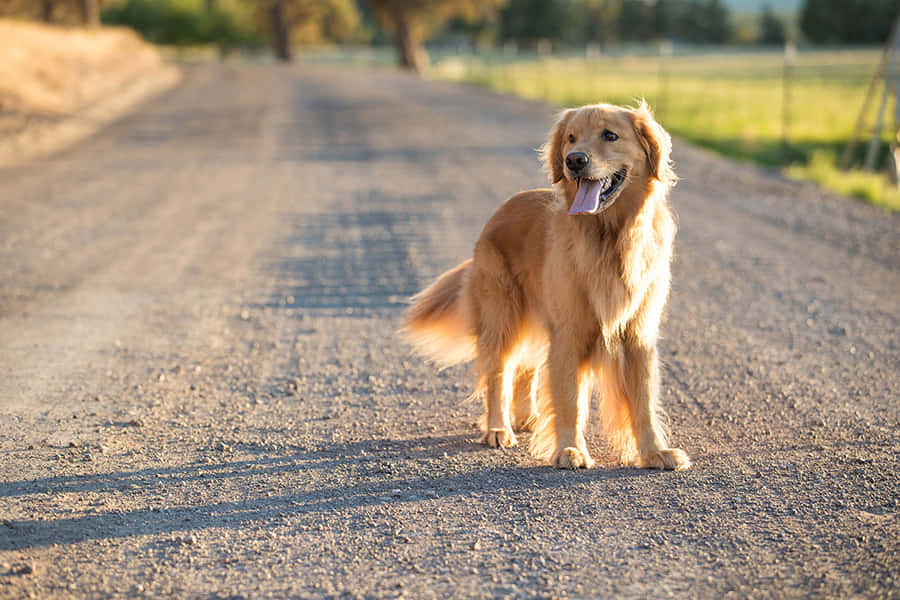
<point x="326" y="480"/>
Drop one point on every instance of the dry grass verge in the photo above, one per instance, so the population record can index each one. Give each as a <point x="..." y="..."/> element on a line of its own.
<point x="60" y="85"/>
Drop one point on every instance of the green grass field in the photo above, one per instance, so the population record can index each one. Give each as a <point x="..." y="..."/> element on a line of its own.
<point x="732" y="103"/>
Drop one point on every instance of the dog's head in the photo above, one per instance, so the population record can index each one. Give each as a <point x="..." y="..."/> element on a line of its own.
<point x="601" y="151"/>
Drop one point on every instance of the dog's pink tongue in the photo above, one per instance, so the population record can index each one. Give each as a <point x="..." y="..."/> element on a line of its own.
<point x="587" y="198"/>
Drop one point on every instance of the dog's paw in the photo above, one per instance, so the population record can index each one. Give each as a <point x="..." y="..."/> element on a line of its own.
<point x="499" y="438"/>
<point x="525" y="423"/>
<point x="671" y="459"/>
<point x="572" y="458"/>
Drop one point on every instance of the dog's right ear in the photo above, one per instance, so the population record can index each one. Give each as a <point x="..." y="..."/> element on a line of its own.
<point x="551" y="151"/>
<point x="656" y="142"/>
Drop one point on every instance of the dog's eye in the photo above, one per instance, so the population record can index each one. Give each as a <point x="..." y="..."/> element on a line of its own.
<point x="571" y="139"/>
<point x="609" y="136"/>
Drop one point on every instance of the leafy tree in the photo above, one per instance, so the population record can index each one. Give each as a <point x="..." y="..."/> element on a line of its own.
<point x="699" y="21"/>
<point x="771" y="28"/>
<point x="703" y="21"/>
<point x="848" y="21"/>
<point x="643" y="21"/>
<point x="599" y="21"/>
<point x="173" y="23"/>
<point x="577" y="22"/>
<point x="411" y="20"/>
<point x="528" y="21"/>
<point x="308" y="22"/>
<point x="69" y="12"/>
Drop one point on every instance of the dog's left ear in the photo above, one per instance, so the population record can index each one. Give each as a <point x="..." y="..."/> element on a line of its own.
<point x="551" y="151"/>
<point x="656" y="142"/>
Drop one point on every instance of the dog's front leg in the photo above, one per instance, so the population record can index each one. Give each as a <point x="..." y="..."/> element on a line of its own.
<point x="569" y="402"/>
<point x="641" y="388"/>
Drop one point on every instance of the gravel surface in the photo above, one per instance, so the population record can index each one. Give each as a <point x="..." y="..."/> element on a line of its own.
<point x="202" y="394"/>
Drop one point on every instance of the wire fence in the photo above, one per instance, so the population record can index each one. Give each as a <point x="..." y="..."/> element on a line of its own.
<point x="772" y="106"/>
<point x="795" y="110"/>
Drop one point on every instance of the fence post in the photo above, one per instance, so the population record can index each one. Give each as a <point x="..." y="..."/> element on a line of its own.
<point x="544" y="49"/>
<point x="875" y="141"/>
<point x="894" y="156"/>
<point x="510" y="56"/>
<point x="591" y="52"/>
<point x="790" y="56"/>
<point x="666" y="50"/>
<point x="847" y="156"/>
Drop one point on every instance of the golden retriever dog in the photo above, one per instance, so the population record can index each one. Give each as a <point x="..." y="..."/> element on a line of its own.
<point x="566" y="289"/>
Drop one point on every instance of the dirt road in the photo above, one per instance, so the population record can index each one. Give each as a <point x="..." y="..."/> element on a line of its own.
<point x="202" y="394"/>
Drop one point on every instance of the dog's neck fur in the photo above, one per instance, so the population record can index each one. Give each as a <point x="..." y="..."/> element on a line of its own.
<point x="614" y="250"/>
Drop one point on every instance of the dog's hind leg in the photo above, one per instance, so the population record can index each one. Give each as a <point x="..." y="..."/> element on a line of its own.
<point x="498" y="384"/>
<point x="496" y="302"/>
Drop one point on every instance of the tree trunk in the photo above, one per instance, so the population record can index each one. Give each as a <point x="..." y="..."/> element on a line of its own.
<point x="281" y="32"/>
<point x="47" y="11"/>
<point x="411" y="53"/>
<point x="90" y="12"/>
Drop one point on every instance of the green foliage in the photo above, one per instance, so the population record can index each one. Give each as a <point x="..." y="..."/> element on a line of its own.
<point x="870" y="187"/>
<point x="431" y="14"/>
<point x="702" y="21"/>
<point x="598" y="21"/>
<point x="171" y="23"/>
<point x="314" y="22"/>
<point x="341" y="21"/>
<point x="411" y="21"/>
<point x="642" y="21"/>
<point x="848" y="21"/>
<point x="527" y="21"/>
<point x="578" y="22"/>
<point x="771" y="29"/>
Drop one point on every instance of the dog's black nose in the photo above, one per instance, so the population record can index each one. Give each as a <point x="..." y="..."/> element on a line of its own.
<point x="576" y="161"/>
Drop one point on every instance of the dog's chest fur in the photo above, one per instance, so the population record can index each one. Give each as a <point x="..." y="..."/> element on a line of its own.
<point x="622" y="268"/>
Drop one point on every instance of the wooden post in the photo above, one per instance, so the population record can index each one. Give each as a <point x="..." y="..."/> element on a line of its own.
<point x="591" y="53"/>
<point x="875" y="140"/>
<point x="544" y="48"/>
<point x="510" y="56"/>
<point x="847" y="156"/>
<point x="790" y="56"/>
<point x="894" y="157"/>
<point x="666" y="50"/>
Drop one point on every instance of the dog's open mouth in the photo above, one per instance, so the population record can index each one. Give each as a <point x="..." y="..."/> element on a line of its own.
<point x="596" y="195"/>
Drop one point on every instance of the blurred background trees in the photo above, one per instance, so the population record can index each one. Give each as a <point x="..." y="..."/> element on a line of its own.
<point x="411" y="21"/>
<point x="575" y="23"/>
<point x="772" y="30"/>
<point x="848" y="21"/>
<point x="307" y="22"/>
<point x="515" y="24"/>
<point x="180" y="24"/>
<point x="69" y="12"/>
<point x="527" y="22"/>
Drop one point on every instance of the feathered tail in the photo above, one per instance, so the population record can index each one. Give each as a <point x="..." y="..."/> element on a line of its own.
<point x="437" y="324"/>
